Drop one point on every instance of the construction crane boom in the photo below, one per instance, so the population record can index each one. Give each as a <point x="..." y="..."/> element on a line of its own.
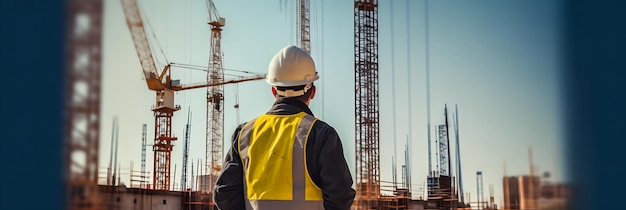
<point x="224" y="82"/>
<point x="138" y="33"/>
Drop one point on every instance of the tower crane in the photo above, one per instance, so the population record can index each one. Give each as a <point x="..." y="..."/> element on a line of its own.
<point x="215" y="100"/>
<point x="215" y="96"/>
<point x="164" y="87"/>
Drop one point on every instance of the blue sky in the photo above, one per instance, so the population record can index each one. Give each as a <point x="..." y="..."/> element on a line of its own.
<point x="498" y="60"/>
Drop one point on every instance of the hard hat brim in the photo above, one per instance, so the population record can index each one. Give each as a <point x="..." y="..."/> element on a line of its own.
<point x="291" y="83"/>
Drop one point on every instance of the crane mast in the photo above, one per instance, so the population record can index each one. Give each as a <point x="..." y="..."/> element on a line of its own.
<point x="215" y="100"/>
<point x="367" y="127"/>
<point x="303" y="22"/>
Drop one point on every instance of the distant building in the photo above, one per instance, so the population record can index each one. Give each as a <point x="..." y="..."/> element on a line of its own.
<point x="510" y="185"/>
<point x="521" y="192"/>
<point x="526" y="192"/>
<point x="529" y="192"/>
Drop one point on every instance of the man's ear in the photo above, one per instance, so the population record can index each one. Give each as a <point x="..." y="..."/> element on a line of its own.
<point x="312" y="92"/>
<point x="274" y="91"/>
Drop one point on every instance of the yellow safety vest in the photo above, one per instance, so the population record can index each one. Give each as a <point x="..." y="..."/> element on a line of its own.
<point x="273" y="153"/>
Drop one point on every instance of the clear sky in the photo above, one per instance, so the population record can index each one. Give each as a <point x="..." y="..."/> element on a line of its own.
<point x="498" y="60"/>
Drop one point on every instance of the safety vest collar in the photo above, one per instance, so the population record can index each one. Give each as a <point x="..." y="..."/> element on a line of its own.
<point x="287" y="106"/>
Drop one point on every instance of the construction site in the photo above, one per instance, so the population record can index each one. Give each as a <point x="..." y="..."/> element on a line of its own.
<point x="116" y="184"/>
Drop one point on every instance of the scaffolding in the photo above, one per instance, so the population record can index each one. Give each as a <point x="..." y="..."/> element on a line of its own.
<point x="443" y="150"/>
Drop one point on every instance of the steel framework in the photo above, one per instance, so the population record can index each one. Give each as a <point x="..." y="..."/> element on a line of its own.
<point x="303" y="26"/>
<point x="144" y="139"/>
<point x="215" y="101"/>
<point x="443" y="150"/>
<point x="82" y="103"/>
<point x="162" y="145"/>
<point x="366" y="103"/>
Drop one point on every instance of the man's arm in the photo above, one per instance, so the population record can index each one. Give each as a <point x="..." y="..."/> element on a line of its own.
<point x="228" y="192"/>
<point x="333" y="175"/>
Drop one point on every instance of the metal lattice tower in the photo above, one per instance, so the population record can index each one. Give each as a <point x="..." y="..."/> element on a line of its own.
<point x="448" y="141"/>
<point x="303" y="25"/>
<point x="366" y="103"/>
<point x="443" y="150"/>
<point x="144" y="140"/>
<point x="82" y="103"/>
<point x="162" y="144"/>
<point x="215" y="101"/>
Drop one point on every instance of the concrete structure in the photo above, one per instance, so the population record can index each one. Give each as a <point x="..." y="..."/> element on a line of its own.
<point x="122" y="198"/>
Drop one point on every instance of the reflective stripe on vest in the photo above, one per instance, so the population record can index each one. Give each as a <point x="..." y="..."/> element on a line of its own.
<point x="272" y="149"/>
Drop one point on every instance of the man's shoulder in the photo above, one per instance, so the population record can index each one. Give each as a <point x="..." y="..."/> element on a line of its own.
<point x="320" y="125"/>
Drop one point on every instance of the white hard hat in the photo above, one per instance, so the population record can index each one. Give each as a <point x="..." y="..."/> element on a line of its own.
<point x="291" y="66"/>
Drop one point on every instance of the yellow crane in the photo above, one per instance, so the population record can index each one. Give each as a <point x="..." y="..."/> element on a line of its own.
<point x="164" y="87"/>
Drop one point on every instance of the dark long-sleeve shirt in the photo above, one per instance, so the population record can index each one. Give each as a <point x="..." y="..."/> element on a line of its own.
<point x="326" y="164"/>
